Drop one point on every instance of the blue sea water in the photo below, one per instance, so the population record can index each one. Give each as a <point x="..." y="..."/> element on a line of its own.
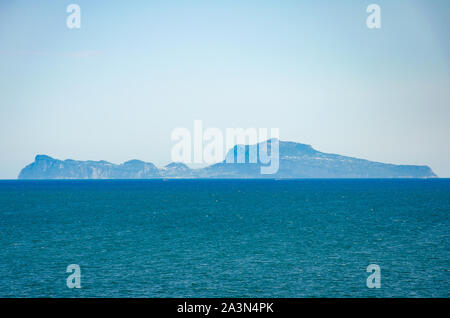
<point x="225" y="238"/>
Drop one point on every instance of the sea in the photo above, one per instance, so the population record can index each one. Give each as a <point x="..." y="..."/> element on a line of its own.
<point x="225" y="238"/>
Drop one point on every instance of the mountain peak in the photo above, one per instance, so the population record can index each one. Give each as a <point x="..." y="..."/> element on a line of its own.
<point x="134" y="162"/>
<point x="176" y="165"/>
<point x="42" y="157"/>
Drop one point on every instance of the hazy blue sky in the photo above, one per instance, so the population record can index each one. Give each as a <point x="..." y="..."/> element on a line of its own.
<point x="116" y="88"/>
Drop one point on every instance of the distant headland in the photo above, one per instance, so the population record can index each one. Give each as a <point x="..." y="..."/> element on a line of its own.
<point x="296" y="160"/>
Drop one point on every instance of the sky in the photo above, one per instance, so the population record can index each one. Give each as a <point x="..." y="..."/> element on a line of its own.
<point x="117" y="87"/>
